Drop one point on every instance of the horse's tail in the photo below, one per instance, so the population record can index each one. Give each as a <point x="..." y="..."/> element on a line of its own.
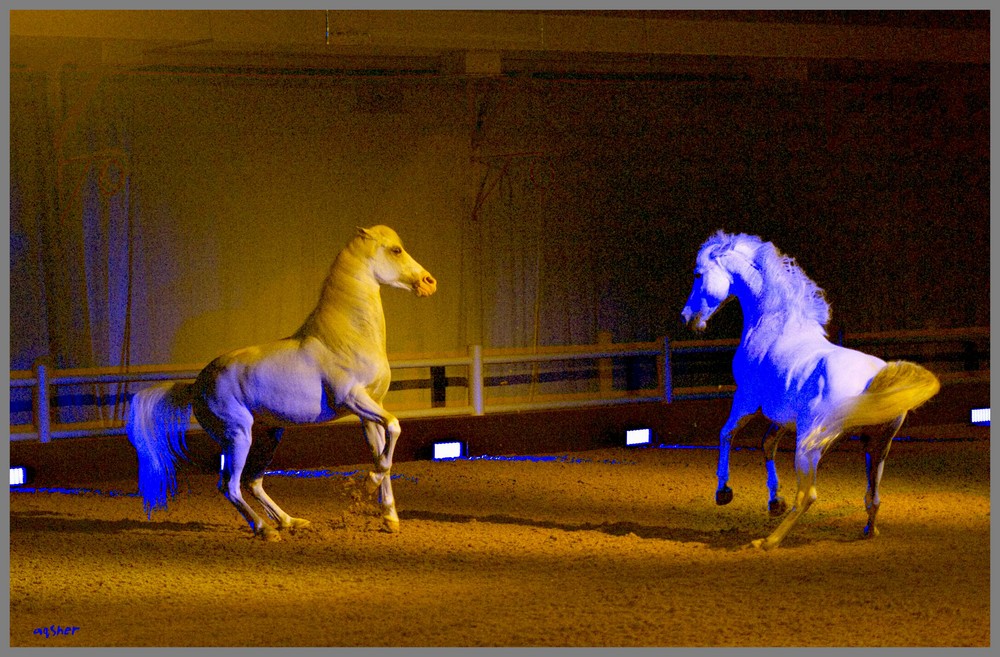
<point x="157" y="421"/>
<point x="899" y="387"/>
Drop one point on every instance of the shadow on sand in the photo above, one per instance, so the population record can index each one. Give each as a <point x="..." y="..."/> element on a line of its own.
<point x="47" y="521"/>
<point x="723" y="539"/>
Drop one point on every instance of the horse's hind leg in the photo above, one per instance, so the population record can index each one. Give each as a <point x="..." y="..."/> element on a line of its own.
<point x="877" y="444"/>
<point x="254" y="473"/>
<point x="806" y="464"/>
<point x="776" y="505"/>
<point x="235" y="448"/>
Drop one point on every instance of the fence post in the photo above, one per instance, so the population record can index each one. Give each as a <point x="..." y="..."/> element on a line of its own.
<point x="971" y="356"/>
<point x="41" y="399"/>
<point x="668" y="384"/>
<point x="439" y="387"/>
<point x="605" y="366"/>
<point x="476" y="378"/>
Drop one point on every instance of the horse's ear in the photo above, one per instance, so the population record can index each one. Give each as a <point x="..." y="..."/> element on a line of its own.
<point x="363" y="232"/>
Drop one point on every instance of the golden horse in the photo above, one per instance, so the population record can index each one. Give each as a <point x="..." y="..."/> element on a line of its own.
<point x="335" y="364"/>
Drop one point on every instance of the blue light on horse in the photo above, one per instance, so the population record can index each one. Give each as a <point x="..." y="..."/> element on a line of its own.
<point x="335" y="364"/>
<point x="786" y="368"/>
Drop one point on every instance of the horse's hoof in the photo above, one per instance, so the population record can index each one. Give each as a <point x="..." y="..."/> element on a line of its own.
<point x="297" y="523"/>
<point x="724" y="496"/>
<point x="764" y="544"/>
<point x="269" y="534"/>
<point x="390" y="525"/>
<point x="777" y="506"/>
<point x="871" y="532"/>
<point x="373" y="482"/>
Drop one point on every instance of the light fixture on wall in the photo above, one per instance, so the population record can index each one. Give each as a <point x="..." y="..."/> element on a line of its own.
<point x="980" y="416"/>
<point x="451" y="449"/>
<point x="637" y="437"/>
<point x="19" y="475"/>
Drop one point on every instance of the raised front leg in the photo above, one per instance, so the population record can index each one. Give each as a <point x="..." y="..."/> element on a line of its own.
<point x="381" y="430"/>
<point x="380" y="479"/>
<point x="738" y="415"/>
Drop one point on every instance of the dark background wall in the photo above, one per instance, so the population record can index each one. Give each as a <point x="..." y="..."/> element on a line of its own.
<point x="167" y="209"/>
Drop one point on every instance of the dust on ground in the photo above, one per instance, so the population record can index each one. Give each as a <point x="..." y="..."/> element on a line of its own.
<point x="601" y="548"/>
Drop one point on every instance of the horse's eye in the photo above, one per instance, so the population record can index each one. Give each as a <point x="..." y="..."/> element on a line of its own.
<point x="396" y="250"/>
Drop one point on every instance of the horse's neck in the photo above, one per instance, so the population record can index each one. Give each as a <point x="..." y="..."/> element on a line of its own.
<point x="748" y="286"/>
<point x="349" y="308"/>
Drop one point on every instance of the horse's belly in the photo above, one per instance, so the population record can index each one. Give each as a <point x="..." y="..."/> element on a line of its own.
<point x="782" y="384"/>
<point x="290" y="404"/>
<point x="804" y="392"/>
<point x="287" y="382"/>
<point x="283" y="388"/>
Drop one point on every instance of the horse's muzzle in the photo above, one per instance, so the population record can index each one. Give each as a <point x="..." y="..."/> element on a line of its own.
<point x="694" y="320"/>
<point x="425" y="285"/>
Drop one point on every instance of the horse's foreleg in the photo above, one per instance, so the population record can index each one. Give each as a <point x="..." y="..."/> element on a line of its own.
<point x="776" y="505"/>
<point x="806" y="464"/>
<point x="738" y="415"/>
<point x="876" y="449"/>
<point x="381" y="430"/>
<point x="381" y="479"/>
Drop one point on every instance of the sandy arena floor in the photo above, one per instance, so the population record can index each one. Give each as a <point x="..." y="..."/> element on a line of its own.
<point x="599" y="548"/>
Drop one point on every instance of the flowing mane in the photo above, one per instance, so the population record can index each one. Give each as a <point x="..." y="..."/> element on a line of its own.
<point x="793" y="287"/>
<point x="787" y="288"/>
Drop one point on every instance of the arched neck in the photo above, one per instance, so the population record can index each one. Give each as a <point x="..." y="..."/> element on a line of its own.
<point x="747" y="287"/>
<point x="349" y="307"/>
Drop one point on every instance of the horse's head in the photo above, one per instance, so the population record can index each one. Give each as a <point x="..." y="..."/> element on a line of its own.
<point x="712" y="286"/>
<point x="392" y="265"/>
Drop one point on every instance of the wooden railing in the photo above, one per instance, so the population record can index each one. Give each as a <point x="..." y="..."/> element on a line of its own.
<point x="969" y="363"/>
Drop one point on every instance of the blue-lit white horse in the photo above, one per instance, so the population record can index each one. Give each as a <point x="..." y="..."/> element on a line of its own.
<point x="333" y="365"/>
<point x="786" y="368"/>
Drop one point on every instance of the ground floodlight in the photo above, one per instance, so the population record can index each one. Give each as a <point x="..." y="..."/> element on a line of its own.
<point x="18" y="475"/>
<point x="635" y="437"/>
<point x="452" y="449"/>
<point x="981" y="416"/>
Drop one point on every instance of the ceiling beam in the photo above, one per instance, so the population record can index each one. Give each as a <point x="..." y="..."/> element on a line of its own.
<point x="426" y="32"/>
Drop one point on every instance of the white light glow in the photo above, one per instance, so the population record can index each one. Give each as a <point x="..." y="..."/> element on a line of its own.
<point x="18" y="476"/>
<point x="981" y="416"/>
<point x="450" y="450"/>
<point x="638" y="437"/>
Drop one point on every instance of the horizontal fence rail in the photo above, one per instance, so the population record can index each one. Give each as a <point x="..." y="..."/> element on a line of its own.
<point x="695" y="360"/>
